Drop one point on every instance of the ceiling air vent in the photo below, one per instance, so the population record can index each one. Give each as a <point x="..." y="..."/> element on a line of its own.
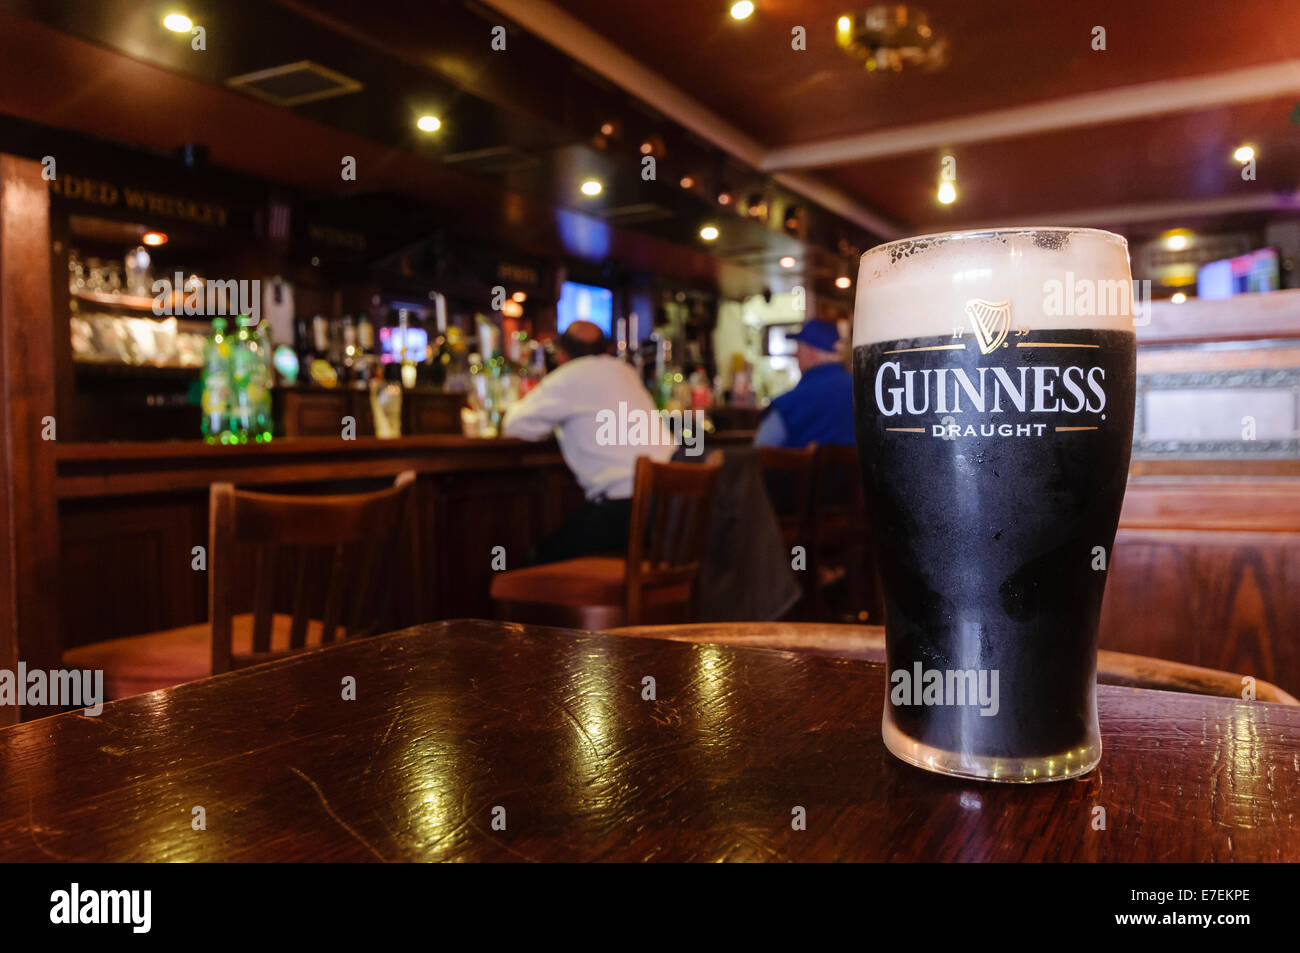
<point x="295" y="83"/>
<point x="495" y="160"/>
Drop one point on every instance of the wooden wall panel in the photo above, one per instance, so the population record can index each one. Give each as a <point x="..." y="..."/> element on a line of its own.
<point x="1209" y="593"/>
<point x="126" y="560"/>
<point x="127" y="566"/>
<point x="29" y="563"/>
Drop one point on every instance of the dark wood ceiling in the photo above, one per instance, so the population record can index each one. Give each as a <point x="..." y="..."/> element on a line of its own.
<point x="521" y="125"/>
<point x="1002" y="54"/>
<point x="1174" y="159"/>
<point x="518" y="134"/>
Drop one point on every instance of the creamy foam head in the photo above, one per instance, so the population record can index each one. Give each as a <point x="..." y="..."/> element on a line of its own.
<point x="1052" y="278"/>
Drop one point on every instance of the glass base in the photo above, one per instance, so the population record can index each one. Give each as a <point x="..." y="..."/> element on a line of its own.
<point x="1055" y="767"/>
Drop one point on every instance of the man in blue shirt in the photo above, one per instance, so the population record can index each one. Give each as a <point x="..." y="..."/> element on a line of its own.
<point x="820" y="407"/>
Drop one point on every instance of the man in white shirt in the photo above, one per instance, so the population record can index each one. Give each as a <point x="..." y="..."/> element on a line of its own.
<point x="568" y="402"/>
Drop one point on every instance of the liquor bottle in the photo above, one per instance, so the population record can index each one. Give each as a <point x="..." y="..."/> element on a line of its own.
<point x="216" y="385"/>
<point x="260" y="386"/>
<point x="320" y="335"/>
<point x="365" y="335"/>
<point x="242" y="362"/>
<point x="251" y="373"/>
<point x="350" y="355"/>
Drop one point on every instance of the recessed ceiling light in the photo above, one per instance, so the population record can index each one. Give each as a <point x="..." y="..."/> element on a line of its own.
<point x="519" y="296"/>
<point x="687" y="182"/>
<point x="742" y="9"/>
<point x="724" y="198"/>
<point x="1178" y="297"/>
<point x="843" y="281"/>
<point x="947" y="193"/>
<point x="1176" y="241"/>
<point x="709" y="233"/>
<point x="788" y="262"/>
<point x="591" y="187"/>
<point x="428" y="124"/>
<point x="607" y="129"/>
<point x="178" y="23"/>
<point x="647" y="147"/>
<point x="1244" y="153"/>
<point x="154" y="239"/>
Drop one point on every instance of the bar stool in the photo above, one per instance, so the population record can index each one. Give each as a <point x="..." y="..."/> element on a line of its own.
<point x="655" y="581"/>
<point x="348" y="565"/>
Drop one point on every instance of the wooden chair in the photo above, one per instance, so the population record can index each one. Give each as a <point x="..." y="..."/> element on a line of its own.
<point x="789" y="474"/>
<point x="868" y="642"/>
<point x="656" y="580"/>
<point x="348" y="553"/>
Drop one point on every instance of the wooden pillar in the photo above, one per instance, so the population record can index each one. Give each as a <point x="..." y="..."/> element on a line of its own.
<point x="29" y="529"/>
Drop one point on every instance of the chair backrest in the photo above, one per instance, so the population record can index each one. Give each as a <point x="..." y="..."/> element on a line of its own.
<point x="671" y="503"/>
<point x="788" y="475"/>
<point x="838" y="505"/>
<point x="343" y="551"/>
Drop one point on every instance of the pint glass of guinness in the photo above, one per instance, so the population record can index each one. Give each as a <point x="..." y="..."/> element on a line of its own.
<point x="994" y="387"/>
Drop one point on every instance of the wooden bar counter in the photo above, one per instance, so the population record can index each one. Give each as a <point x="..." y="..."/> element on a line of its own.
<point x="491" y="741"/>
<point x="130" y="514"/>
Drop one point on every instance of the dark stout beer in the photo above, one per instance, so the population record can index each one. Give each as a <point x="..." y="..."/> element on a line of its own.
<point x="994" y="425"/>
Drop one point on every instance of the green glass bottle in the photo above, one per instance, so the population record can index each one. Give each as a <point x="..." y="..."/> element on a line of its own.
<point x="243" y="369"/>
<point x="216" y="384"/>
<point x="260" y="386"/>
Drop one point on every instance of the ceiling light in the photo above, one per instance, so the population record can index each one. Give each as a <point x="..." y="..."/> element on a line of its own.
<point x="512" y="309"/>
<point x="742" y="9"/>
<point x="647" y="147"/>
<point x="687" y="182"/>
<point x="519" y="296"/>
<point x="891" y="38"/>
<point x="709" y="233"/>
<point x="178" y="23"/>
<point x="607" y="129"/>
<point x="1244" y="153"/>
<point x="1177" y="240"/>
<point x="428" y="124"/>
<point x="591" y="187"/>
<point x="843" y="281"/>
<point x="724" y="198"/>
<point x="947" y="193"/>
<point x="154" y="239"/>
<point x="1178" y="297"/>
<point x="788" y="262"/>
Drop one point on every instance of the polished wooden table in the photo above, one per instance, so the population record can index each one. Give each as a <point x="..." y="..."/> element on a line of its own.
<point x="460" y="729"/>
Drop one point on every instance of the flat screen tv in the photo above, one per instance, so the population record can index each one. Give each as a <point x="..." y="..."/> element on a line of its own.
<point x="390" y="344"/>
<point x="585" y="303"/>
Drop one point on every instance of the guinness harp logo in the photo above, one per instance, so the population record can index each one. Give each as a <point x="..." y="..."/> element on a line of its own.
<point x="991" y="321"/>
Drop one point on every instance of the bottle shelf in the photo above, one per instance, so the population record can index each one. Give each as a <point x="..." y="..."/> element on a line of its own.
<point x="107" y="299"/>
